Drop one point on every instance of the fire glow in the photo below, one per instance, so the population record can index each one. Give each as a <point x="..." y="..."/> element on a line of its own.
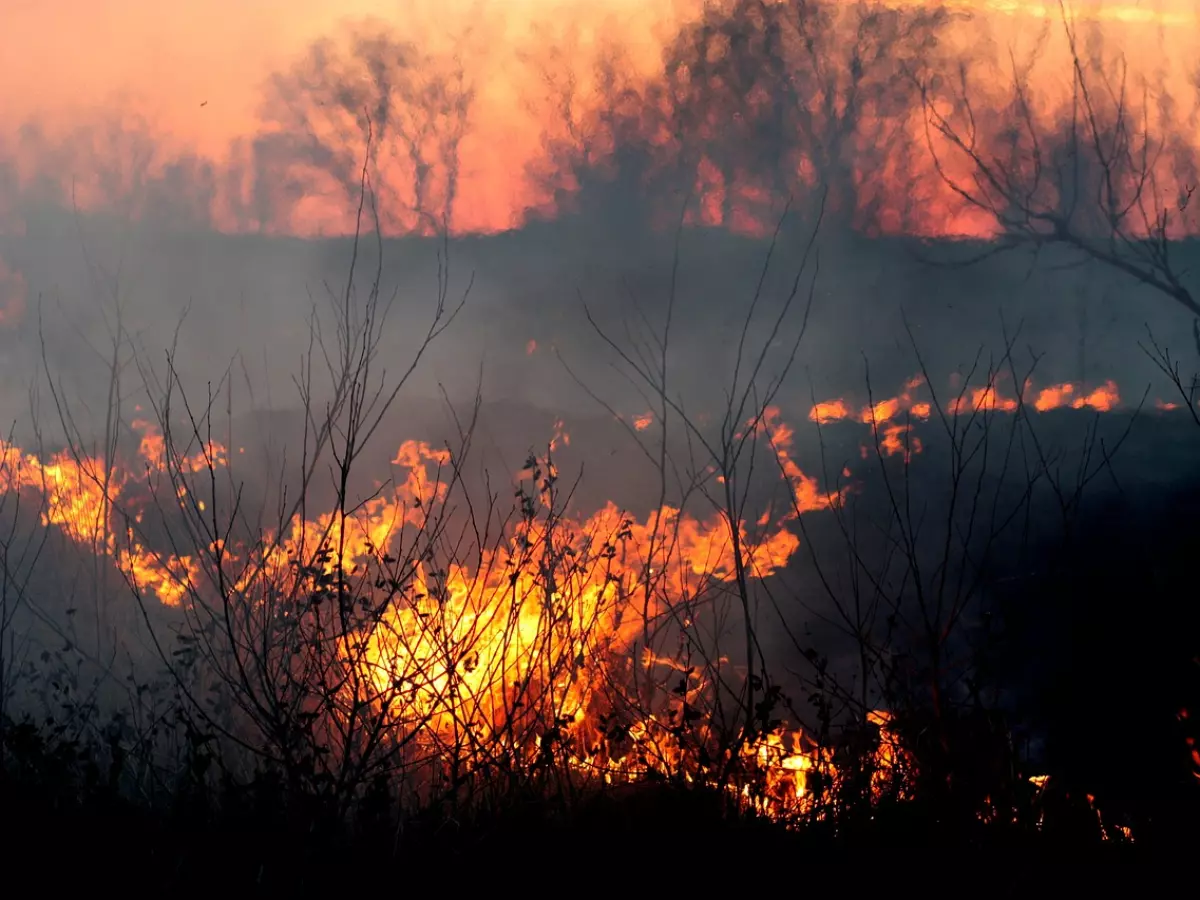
<point x="511" y="157"/>
<point x="547" y="620"/>
<point x="553" y="620"/>
<point x="892" y="419"/>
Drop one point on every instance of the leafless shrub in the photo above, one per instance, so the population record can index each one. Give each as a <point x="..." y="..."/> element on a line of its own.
<point x="1109" y="177"/>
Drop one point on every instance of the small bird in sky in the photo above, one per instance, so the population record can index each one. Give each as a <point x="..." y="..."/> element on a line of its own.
<point x="204" y="103"/>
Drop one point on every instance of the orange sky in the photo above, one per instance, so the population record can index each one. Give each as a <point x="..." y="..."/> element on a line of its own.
<point x="61" y="56"/>
<point x="67" y="59"/>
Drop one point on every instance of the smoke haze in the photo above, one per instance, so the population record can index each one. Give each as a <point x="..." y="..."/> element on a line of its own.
<point x="204" y="165"/>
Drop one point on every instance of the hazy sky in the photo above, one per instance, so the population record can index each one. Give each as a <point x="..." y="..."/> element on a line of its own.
<point x="194" y="70"/>
<point x="60" y="55"/>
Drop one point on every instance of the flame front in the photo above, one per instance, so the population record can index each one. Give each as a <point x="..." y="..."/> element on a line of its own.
<point x="895" y="437"/>
<point x="571" y="638"/>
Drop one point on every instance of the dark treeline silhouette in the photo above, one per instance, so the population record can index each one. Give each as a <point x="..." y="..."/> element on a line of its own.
<point x="757" y="102"/>
<point x="896" y="117"/>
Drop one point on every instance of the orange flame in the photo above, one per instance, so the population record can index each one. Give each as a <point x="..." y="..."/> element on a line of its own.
<point x="829" y="411"/>
<point x="548" y="622"/>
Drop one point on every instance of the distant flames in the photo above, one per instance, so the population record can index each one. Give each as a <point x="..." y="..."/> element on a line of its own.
<point x="892" y="419"/>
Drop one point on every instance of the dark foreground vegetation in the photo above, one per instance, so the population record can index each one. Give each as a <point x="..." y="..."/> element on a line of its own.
<point x="257" y="844"/>
<point x="64" y="798"/>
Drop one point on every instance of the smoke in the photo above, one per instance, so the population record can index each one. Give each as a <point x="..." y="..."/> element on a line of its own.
<point x="813" y="117"/>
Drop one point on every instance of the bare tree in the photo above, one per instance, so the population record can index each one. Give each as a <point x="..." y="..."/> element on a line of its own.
<point x="903" y="607"/>
<point x="756" y="102"/>
<point x="1109" y="177"/>
<point x="404" y="107"/>
<point x="718" y="470"/>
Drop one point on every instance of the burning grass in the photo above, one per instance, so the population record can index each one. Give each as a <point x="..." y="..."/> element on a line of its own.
<point x="398" y="640"/>
<point x="564" y="639"/>
<point x="331" y="652"/>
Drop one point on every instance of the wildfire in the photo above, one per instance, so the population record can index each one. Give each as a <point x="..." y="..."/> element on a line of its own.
<point x="79" y="497"/>
<point x="896" y="437"/>
<point x="570" y="638"/>
<point x="1101" y="399"/>
<point x="1054" y="397"/>
<point x="829" y="411"/>
<point x="548" y="626"/>
<point x="983" y="399"/>
<point x="562" y="437"/>
<point x="806" y="494"/>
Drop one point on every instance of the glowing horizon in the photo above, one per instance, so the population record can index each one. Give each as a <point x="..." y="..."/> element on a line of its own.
<point x="191" y="77"/>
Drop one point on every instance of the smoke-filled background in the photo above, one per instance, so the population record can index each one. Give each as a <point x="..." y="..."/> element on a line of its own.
<point x="211" y="158"/>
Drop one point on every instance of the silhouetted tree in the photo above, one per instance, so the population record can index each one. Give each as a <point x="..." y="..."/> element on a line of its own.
<point x="371" y="93"/>
<point x="1109" y="175"/>
<point x="756" y="102"/>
